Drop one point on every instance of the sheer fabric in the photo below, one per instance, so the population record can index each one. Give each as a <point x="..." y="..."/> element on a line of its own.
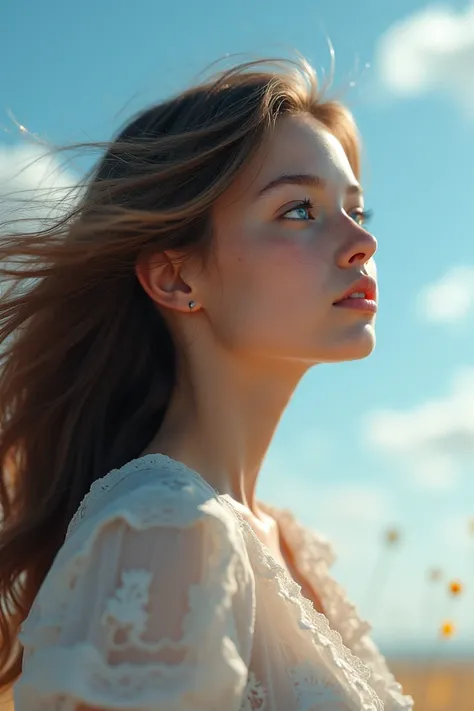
<point x="163" y="598"/>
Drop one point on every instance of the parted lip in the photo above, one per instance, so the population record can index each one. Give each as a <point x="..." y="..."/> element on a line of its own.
<point x="365" y="284"/>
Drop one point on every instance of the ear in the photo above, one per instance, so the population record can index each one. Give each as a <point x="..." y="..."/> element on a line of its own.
<point x="161" y="277"/>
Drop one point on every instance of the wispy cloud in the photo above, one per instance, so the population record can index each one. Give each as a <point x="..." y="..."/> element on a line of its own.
<point x="430" y="50"/>
<point x="450" y="299"/>
<point x="433" y="439"/>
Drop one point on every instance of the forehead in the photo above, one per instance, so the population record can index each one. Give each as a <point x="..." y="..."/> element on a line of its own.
<point x="299" y="145"/>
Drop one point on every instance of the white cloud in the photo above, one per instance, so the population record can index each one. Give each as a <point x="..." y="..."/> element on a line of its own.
<point x="451" y="298"/>
<point x="430" y="50"/>
<point x="436" y="472"/>
<point x="34" y="186"/>
<point x="433" y="439"/>
<point x="27" y="166"/>
<point x="33" y="183"/>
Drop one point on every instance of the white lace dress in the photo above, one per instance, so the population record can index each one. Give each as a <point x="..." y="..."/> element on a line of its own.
<point x="163" y="598"/>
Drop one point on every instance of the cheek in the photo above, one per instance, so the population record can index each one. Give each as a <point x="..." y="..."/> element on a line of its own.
<point x="293" y="270"/>
<point x="274" y="291"/>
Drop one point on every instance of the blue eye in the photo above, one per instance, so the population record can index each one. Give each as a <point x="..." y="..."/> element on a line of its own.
<point x="300" y="213"/>
<point x="361" y="217"/>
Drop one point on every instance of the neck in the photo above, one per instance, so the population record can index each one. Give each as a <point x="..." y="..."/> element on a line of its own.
<point x="222" y="417"/>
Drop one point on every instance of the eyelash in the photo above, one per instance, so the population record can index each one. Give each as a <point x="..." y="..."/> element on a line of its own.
<point x="305" y="204"/>
<point x="365" y="215"/>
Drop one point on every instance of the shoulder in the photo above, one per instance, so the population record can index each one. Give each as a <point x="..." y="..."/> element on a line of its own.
<point x="151" y="499"/>
<point x="152" y="513"/>
<point x="150" y="491"/>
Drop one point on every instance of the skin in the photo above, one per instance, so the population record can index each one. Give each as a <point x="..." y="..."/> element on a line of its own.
<point x="264" y="310"/>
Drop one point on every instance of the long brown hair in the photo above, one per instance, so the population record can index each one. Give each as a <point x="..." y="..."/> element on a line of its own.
<point x="87" y="363"/>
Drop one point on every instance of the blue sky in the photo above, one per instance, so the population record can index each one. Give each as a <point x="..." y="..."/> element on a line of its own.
<point x="364" y="446"/>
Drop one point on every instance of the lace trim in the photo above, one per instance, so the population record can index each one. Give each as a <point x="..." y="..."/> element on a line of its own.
<point x="313" y="556"/>
<point x="328" y="640"/>
<point x="174" y="475"/>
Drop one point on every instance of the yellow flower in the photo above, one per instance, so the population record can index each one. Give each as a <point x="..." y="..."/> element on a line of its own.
<point x="392" y="536"/>
<point x="455" y="587"/>
<point x="447" y="629"/>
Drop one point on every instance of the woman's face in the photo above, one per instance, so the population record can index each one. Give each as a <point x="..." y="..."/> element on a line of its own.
<point x="289" y="245"/>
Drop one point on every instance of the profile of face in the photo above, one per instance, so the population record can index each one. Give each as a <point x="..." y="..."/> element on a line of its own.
<point x="291" y="275"/>
<point x="290" y="244"/>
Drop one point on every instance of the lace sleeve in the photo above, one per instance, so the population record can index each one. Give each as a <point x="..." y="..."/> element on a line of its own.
<point x="148" y="608"/>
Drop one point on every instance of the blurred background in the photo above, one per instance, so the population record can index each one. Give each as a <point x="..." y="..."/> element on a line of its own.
<point x="376" y="455"/>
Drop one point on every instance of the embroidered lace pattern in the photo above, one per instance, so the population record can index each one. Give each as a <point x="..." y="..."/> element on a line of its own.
<point x="255" y="696"/>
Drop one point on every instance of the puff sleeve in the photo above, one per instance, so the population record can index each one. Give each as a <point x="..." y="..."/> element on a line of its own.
<point x="149" y="606"/>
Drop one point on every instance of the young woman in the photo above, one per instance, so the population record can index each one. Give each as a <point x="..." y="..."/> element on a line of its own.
<point x="151" y="341"/>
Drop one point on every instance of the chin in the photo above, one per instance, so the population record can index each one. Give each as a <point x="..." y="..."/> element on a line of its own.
<point x="363" y="351"/>
<point x="360" y="347"/>
<point x="356" y="347"/>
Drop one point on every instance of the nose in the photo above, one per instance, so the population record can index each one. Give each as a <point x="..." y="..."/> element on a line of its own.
<point x="358" y="247"/>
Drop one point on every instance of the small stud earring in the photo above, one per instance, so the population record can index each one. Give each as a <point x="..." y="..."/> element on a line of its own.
<point x="192" y="304"/>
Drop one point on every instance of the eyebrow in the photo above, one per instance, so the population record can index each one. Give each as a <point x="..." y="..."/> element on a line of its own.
<point x="307" y="180"/>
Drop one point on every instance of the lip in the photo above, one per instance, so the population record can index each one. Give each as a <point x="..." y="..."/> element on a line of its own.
<point x="368" y="304"/>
